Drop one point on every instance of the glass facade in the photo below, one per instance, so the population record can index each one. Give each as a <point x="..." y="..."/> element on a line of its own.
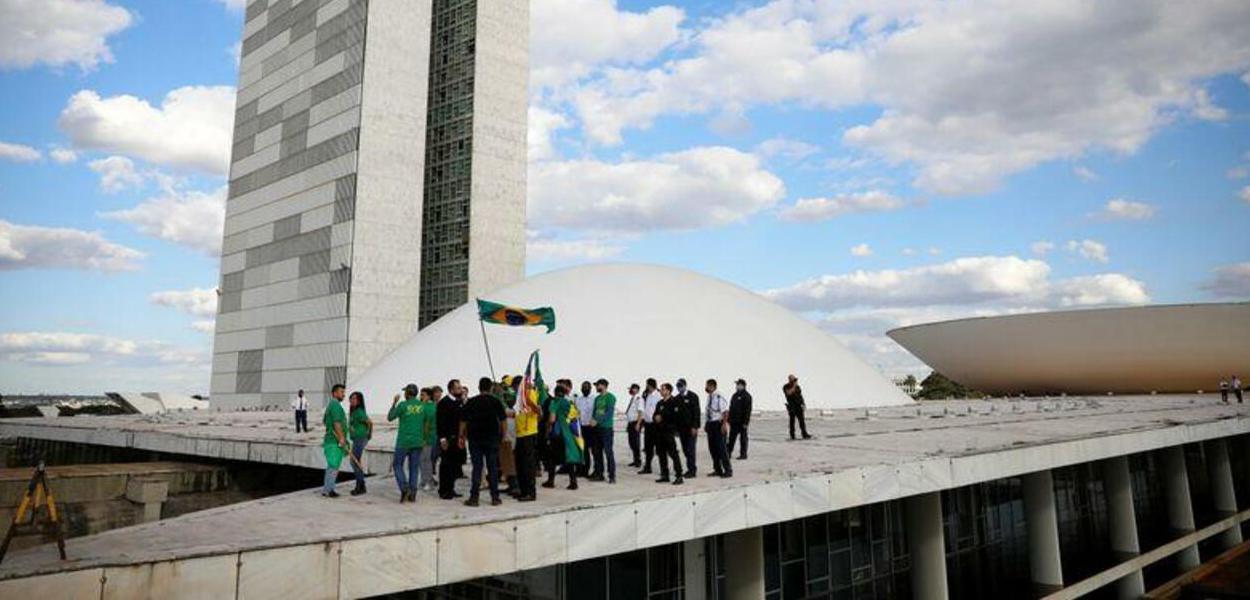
<point x="1150" y="504"/>
<point x="1084" y="532"/>
<point x="448" y="160"/>
<point x="987" y="541"/>
<point x="855" y="553"/>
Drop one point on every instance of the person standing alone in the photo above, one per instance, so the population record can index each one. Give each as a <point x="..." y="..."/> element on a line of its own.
<point x="717" y="427"/>
<point x="795" y="406"/>
<point x="334" y="445"/>
<point x="300" y="404"/>
<point x="1236" y="385"/>
<point x="739" y="418"/>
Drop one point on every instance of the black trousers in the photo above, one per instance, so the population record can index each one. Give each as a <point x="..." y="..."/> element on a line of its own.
<point x="690" y="448"/>
<point x="666" y="445"/>
<point x="716" y="447"/>
<point x="449" y="462"/>
<point x="555" y="458"/>
<point x="650" y="439"/>
<point x="797" y="413"/>
<point x="524" y="451"/>
<point x="1235" y="391"/>
<point x="301" y="420"/>
<point x="635" y="442"/>
<point x="736" y="432"/>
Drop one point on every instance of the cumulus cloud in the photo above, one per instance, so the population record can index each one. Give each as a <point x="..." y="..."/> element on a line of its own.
<point x="63" y="156"/>
<point x="18" y="153"/>
<point x="543" y="125"/>
<point x="696" y="188"/>
<point x="1230" y="281"/>
<point x="861" y="250"/>
<point x="191" y="128"/>
<point x="33" y="247"/>
<point x="197" y="302"/>
<point x="205" y="325"/>
<point x="1084" y="174"/>
<point x="1042" y="248"/>
<point x="570" y="37"/>
<point x="117" y="173"/>
<point x="1120" y="209"/>
<point x="57" y="33"/>
<point x="1089" y="250"/>
<point x="567" y="251"/>
<point x="235" y="5"/>
<point x="193" y="219"/>
<point x="823" y="209"/>
<point x="58" y="348"/>
<point x="785" y="148"/>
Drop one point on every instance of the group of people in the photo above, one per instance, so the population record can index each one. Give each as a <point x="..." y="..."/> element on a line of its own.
<point x="1232" y="384"/>
<point x="571" y="433"/>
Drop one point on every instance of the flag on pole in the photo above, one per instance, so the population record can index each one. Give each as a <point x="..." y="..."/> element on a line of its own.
<point x="531" y="393"/>
<point x="499" y="314"/>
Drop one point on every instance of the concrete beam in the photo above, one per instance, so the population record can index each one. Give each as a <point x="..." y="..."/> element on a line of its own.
<point x="1122" y="517"/>
<point x="1220" y="474"/>
<point x="1180" y="503"/>
<point x="1045" y="564"/>
<point x="744" y="564"/>
<point x="927" y="545"/>
<point x="694" y="565"/>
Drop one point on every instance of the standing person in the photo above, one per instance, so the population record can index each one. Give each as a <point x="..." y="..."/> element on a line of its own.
<point x="429" y="457"/>
<point x="739" y="418"/>
<point x="561" y="442"/>
<point x="525" y="450"/>
<point x="1236" y="385"/>
<point x="716" y="426"/>
<point x="1224" y="391"/>
<point x="650" y="430"/>
<point x="507" y="460"/>
<point x="482" y="429"/>
<point x="300" y="404"/>
<point x="602" y="421"/>
<point x="409" y="441"/>
<point x="451" y="454"/>
<point x="795" y="406"/>
<point x="689" y="402"/>
<point x="585" y="403"/>
<point x="360" y="426"/>
<point x="334" y="445"/>
<point x="634" y="423"/>
<point x="669" y="422"/>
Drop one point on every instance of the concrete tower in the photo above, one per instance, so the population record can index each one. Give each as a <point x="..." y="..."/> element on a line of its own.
<point x="377" y="182"/>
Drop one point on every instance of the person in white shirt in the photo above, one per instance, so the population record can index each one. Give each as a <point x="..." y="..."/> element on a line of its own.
<point x="300" y="404"/>
<point x="1236" y="385"/>
<point x="634" y="422"/>
<point x="716" y="424"/>
<point x="585" y="403"/>
<point x="650" y="437"/>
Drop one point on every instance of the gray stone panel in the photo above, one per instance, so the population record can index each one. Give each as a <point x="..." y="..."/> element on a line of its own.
<point x="232" y="282"/>
<point x="255" y="9"/>
<point x="292" y="247"/>
<point x="340" y="280"/>
<point x="279" y="336"/>
<point x="328" y="150"/>
<point x="314" y="263"/>
<point x="229" y="302"/>
<point x="251" y="360"/>
<point x="335" y="375"/>
<point x="247" y="382"/>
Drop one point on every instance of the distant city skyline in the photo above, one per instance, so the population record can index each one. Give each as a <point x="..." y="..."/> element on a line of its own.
<point x="864" y="165"/>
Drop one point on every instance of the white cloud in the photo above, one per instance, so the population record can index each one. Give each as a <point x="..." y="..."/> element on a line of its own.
<point x="32" y="247"/>
<point x="117" y="173"/>
<point x="1042" y="248"/>
<point x="543" y="124"/>
<point x="197" y="302"/>
<point x="1089" y="250"/>
<point x="785" y="148"/>
<point x="570" y="37"/>
<point x="63" y="156"/>
<point x="18" y="152"/>
<point x="189" y="218"/>
<point x="1238" y="172"/>
<point x="969" y="93"/>
<point x="204" y="326"/>
<point x="861" y="250"/>
<point x="1245" y="194"/>
<point x="1126" y="210"/>
<point x="582" y="250"/>
<point x="66" y="349"/>
<point x="822" y="209"/>
<point x="1084" y="174"/>
<point x="236" y="5"/>
<point x="1230" y="281"/>
<point x="58" y="32"/>
<point x="697" y="188"/>
<point x="191" y="129"/>
<point x="1099" y="290"/>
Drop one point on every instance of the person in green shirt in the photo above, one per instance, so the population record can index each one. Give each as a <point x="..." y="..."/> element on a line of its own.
<point x="360" y="426"/>
<point x="602" y="420"/>
<point x="409" y="441"/>
<point x="335" y="442"/>
<point x="429" y="404"/>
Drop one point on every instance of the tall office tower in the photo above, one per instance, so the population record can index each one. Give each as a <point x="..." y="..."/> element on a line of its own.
<point x="325" y="256"/>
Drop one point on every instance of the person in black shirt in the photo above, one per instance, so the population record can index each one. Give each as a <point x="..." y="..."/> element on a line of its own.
<point x="669" y="421"/>
<point x="795" y="406"/>
<point x="739" y="418"/>
<point x="450" y="454"/>
<point x="482" y="427"/>
<point x="689" y="402"/>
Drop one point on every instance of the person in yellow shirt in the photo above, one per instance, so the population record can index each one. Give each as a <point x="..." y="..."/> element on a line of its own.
<point x="526" y="449"/>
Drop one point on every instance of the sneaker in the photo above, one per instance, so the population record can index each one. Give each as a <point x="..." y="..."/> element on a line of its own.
<point x="330" y="494"/>
<point x="403" y="497"/>
<point x="471" y="501"/>
<point x="412" y="495"/>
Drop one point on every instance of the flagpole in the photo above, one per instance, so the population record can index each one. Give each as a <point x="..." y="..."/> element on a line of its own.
<point x="485" y="343"/>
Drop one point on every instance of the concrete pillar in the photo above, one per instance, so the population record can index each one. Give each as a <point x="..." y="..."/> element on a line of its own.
<point x="694" y="561"/>
<point x="927" y="544"/>
<point x="1180" y="504"/>
<point x="1223" y="494"/>
<point x="1045" y="564"/>
<point x="1122" y="519"/>
<point x="744" y="564"/>
<point x="151" y="493"/>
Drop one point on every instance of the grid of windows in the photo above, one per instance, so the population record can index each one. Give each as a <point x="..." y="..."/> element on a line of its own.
<point x="987" y="545"/>
<point x="1150" y="505"/>
<point x="448" y="160"/>
<point x="855" y="553"/>
<point x="1084" y="532"/>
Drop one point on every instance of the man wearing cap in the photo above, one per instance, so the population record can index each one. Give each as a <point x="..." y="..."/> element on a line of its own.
<point x="689" y="435"/>
<point x="717" y="427"/>
<point x="739" y="418"/>
<point x="602" y="421"/>
<point x="795" y="405"/>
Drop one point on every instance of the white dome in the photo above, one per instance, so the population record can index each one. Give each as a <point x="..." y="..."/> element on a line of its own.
<point x="627" y="322"/>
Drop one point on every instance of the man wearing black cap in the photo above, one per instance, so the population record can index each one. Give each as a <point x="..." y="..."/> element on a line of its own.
<point x="795" y="405"/>
<point x="689" y="402"/>
<point x="739" y="418"/>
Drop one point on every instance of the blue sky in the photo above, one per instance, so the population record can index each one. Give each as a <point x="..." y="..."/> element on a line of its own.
<point x="867" y="165"/>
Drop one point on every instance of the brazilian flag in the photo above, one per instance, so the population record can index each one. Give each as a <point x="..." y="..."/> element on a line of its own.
<point x="493" y="312"/>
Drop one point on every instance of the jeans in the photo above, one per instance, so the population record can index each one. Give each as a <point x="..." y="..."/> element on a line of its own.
<point x="358" y="450"/>
<point x="332" y="477"/>
<point x="690" y="449"/>
<point x="301" y="421"/>
<point x="635" y="442"/>
<point x="428" y="459"/>
<point x="603" y="450"/>
<point x="734" y="432"/>
<point x="716" y="447"/>
<point x="487" y="453"/>
<point x="413" y="456"/>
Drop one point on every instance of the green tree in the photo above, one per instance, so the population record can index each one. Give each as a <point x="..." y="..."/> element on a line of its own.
<point x="940" y="387"/>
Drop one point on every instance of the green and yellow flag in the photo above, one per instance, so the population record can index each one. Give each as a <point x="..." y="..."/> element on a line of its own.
<point x="492" y="312"/>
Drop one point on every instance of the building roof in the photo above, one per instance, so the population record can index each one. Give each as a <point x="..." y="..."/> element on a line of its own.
<point x="1164" y="349"/>
<point x="627" y="322"/>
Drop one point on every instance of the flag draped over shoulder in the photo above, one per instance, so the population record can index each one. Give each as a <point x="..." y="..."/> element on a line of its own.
<point x="493" y="312"/>
<point x="574" y="444"/>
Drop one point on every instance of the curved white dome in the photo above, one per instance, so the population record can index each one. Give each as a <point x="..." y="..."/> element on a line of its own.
<point x="627" y="322"/>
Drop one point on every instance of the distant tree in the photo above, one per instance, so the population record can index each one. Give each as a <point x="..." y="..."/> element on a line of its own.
<point x="940" y="387"/>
